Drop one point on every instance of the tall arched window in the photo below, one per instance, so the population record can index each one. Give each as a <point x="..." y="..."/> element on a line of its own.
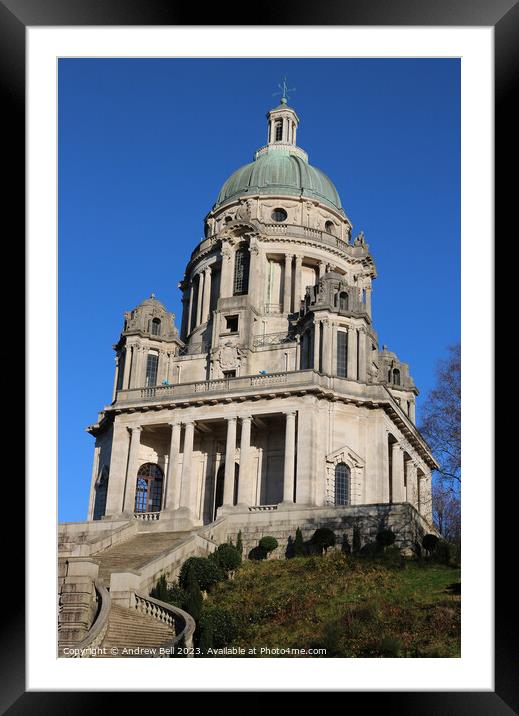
<point x="343" y="301"/>
<point x="342" y="484"/>
<point x="155" y="327"/>
<point x="241" y="271"/>
<point x="148" y="492"/>
<point x="120" y="369"/>
<point x="101" y="489"/>
<point x="396" y="376"/>
<point x="278" y="130"/>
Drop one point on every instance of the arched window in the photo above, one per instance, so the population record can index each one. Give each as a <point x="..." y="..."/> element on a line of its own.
<point x="155" y="327"/>
<point x="329" y="226"/>
<point x="152" y="365"/>
<point x="241" y="272"/>
<point x="120" y="369"/>
<point x="342" y="484"/>
<point x="343" y="301"/>
<point x="101" y="489"/>
<point x="278" y="130"/>
<point x="148" y="492"/>
<point x="396" y="376"/>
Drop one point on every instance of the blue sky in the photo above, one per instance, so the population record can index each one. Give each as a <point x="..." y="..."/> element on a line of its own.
<point x="144" y="147"/>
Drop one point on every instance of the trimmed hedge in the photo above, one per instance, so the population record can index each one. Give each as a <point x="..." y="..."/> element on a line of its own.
<point x="207" y="572"/>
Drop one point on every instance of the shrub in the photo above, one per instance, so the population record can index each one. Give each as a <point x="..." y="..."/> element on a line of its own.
<point x="207" y="572"/>
<point x="371" y="549"/>
<point x="357" y="545"/>
<point x="257" y="553"/>
<point x="443" y="552"/>
<point x="392" y="557"/>
<point x="385" y="538"/>
<point x="227" y="557"/>
<point x="324" y="538"/>
<point x="221" y="625"/>
<point x="194" y="599"/>
<point x="299" y="545"/>
<point x="429" y="543"/>
<point x="345" y="545"/>
<point x="206" y="640"/>
<point x="160" y="590"/>
<point x="177" y="596"/>
<point x="268" y="543"/>
<point x="239" y="544"/>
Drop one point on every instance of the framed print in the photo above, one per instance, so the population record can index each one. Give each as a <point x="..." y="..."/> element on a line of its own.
<point x="264" y="478"/>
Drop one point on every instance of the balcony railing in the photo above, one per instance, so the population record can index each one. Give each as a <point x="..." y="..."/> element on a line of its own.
<point x="306" y="232"/>
<point x="272" y="339"/>
<point x="241" y="383"/>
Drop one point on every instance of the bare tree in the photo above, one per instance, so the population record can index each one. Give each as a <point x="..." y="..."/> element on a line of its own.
<point x="441" y="418"/>
<point x="446" y="511"/>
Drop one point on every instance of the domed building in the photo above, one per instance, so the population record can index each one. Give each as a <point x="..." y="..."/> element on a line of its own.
<point x="271" y="407"/>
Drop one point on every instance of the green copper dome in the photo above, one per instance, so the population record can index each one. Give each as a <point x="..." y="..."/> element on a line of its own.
<point x="280" y="172"/>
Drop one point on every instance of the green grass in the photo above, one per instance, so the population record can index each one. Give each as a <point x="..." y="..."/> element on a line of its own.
<point x="351" y="607"/>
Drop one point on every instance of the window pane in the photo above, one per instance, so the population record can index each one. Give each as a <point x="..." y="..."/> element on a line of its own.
<point x="151" y="370"/>
<point x="241" y="272"/>
<point x="342" y="353"/>
<point x="342" y="479"/>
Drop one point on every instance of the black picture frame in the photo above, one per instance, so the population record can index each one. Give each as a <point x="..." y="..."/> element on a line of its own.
<point x="503" y="16"/>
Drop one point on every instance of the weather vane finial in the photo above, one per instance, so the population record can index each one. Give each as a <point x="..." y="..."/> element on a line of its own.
<point x="284" y="91"/>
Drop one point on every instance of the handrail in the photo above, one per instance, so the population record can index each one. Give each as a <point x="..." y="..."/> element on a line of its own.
<point x="171" y="615"/>
<point x="97" y="631"/>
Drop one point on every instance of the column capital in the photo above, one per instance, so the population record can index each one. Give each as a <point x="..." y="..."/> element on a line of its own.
<point x="230" y="419"/>
<point x="136" y="429"/>
<point x="243" y="418"/>
<point x="185" y="423"/>
<point x="175" y="424"/>
<point x="208" y="269"/>
<point x="299" y="258"/>
<point x="290" y="413"/>
<point x="289" y="257"/>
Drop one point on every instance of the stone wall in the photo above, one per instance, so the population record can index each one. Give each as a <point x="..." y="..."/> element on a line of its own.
<point x="403" y="519"/>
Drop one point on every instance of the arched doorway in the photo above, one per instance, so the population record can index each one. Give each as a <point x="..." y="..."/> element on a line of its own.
<point x="218" y="493"/>
<point x="148" y="491"/>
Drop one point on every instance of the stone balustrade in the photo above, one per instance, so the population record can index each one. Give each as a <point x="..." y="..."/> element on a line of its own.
<point x="262" y="508"/>
<point x="182" y="623"/>
<point x="272" y="339"/>
<point x="147" y="516"/>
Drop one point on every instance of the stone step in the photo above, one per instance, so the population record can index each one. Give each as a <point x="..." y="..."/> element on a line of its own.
<point x="129" y="629"/>
<point x="136" y="552"/>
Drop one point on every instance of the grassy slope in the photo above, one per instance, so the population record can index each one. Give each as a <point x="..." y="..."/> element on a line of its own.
<point x="353" y="608"/>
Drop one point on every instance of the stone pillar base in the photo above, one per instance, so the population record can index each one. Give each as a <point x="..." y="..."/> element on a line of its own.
<point x="179" y="520"/>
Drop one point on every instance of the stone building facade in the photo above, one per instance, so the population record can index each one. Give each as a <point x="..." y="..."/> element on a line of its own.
<point x="272" y="393"/>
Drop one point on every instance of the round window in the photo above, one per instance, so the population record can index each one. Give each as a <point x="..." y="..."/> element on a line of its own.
<point x="279" y="215"/>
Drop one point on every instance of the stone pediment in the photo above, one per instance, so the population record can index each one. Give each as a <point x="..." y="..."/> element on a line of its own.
<point x="347" y="455"/>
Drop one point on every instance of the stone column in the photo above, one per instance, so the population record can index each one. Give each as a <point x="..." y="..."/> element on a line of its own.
<point x="190" y="309"/>
<point x="186" y="488"/>
<point x="333" y="352"/>
<point x="116" y="378"/>
<point x="118" y="464"/>
<point x="397" y="477"/>
<point x="256" y="276"/>
<point x="172" y="487"/>
<point x="133" y="467"/>
<point x="317" y="343"/>
<point x="136" y="380"/>
<point x="362" y="367"/>
<point x="95" y="474"/>
<point x="287" y="293"/>
<point x="184" y="329"/>
<point x="244" y="486"/>
<point x="412" y="486"/>
<point x="230" y="453"/>
<point x="322" y="269"/>
<point x="297" y="283"/>
<point x="227" y="272"/>
<point x="412" y="411"/>
<point x="290" y="454"/>
<point x="199" y="299"/>
<point x="327" y="347"/>
<point x="352" y="353"/>
<point x="207" y="295"/>
<point x="368" y="300"/>
<point x="127" y="366"/>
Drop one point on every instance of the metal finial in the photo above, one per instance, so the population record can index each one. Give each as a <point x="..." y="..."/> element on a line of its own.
<point x="284" y="91"/>
<point x="152" y="295"/>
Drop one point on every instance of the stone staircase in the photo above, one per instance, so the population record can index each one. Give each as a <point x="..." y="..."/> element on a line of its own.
<point x="127" y="629"/>
<point x="135" y="552"/>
